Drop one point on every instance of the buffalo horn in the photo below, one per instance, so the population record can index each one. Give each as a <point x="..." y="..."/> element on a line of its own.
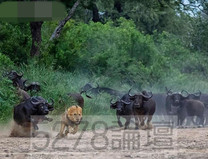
<point x="185" y="92"/>
<point x="169" y="92"/>
<point x="36" y="103"/>
<point x="111" y="101"/>
<point x="82" y="92"/>
<point x="20" y="75"/>
<point x="129" y="93"/>
<point x="198" y="93"/>
<point x="147" y="96"/>
<point x="125" y="102"/>
<point x="25" y="82"/>
<point x="88" y="96"/>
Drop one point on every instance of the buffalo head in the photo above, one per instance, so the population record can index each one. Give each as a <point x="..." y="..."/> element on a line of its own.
<point x="140" y="98"/>
<point x="174" y="100"/>
<point x="41" y="105"/>
<point x="17" y="79"/>
<point x="12" y="75"/>
<point x="85" y="88"/>
<point x="34" y="86"/>
<point x="195" y="96"/>
<point x="119" y="105"/>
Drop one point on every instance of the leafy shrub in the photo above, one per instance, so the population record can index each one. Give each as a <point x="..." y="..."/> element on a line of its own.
<point x="5" y="62"/>
<point x="119" y="52"/>
<point x="15" y="41"/>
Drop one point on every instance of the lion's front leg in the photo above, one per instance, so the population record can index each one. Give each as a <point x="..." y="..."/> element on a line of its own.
<point x="61" y="133"/>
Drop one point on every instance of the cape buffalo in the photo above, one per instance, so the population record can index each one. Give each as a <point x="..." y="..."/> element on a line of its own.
<point x="89" y="88"/>
<point x="17" y="79"/>
<point x="203" y="98"/>
<point x="182" y="106"/>
<point x="78" y="98"/>
<point x="19" y="82"/>
<point x="124" y="108"/>
<point x="110" y="91"/>
<point x="34" y="86"/>
<point x="143" y="106"/>
<point x="97" y="90"/>
<point x="31" y="111"/>
<point x="195" y="96"/>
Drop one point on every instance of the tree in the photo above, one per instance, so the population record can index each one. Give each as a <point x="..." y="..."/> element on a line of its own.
<point x="35" y="28"/>
<point x="58" y="29"/>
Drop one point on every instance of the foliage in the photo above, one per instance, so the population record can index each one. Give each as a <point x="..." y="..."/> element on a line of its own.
<point x="5" y="61"/>
<point x="7" y="92"/>
<point x="119" y="52"/>
<point x="15" y="41"/>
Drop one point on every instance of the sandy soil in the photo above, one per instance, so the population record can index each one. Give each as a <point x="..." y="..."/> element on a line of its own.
<point x="160" y="142"/>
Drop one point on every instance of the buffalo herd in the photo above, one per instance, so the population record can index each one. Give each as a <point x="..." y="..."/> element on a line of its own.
<point x="183" y="105"/>
<point x="142" y="106"/>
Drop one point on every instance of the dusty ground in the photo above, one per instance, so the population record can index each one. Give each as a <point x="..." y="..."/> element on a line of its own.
<point x="161" y="142"/>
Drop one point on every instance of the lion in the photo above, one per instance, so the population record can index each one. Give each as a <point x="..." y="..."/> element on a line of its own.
<point x="71" y="120"/>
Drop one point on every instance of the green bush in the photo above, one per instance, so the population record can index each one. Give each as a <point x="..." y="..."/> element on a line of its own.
<point x="120" y="52"/>
<point x="15" y="41"/>
<point x="8" y="98"/>
<point x="5" y="62"/>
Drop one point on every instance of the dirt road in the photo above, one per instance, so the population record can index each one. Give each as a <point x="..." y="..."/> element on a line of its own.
<point x="160" y="142"/>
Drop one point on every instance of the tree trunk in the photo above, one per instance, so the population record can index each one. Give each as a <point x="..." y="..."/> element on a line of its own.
<point x="35" y="28"/>
<point x="58" y="29"/>
<point x="118" y="6"/>
<point x="95" y="13"/>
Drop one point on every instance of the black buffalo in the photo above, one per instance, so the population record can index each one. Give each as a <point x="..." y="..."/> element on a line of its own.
<point x="98" y="90"/>
<point x="19" y="82"/>
<point x="143" y="106"/>
<point x="89" y="88"/>
<point x="195" y="96"/>
<point x="110" y="91"/>
<point x="31" y="111"/>
<point x="78" y="97"/>
<point x="17" y="79"/>
<point x="183" y="106"/>
<point x="124" y="108"/>
<point x="34" y="86"/>
<point x="203" y="98"/>
<point x="138" y="105"/>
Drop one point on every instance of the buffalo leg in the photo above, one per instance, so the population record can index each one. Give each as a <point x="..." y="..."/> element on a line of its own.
<point x="119" y="121"/>
<point x="178" y="121"/>
<point x="188" y="121"/>
<point x="149" y="119"/>
<point x="128" y="119"/>
<point x="136" y="122"/>
<point x="181" y="120"/>
<point x="47" y="119"/>
<point x="142" y="124"/>
<point x="201" y="123"/>
<point x="35" y="126"/>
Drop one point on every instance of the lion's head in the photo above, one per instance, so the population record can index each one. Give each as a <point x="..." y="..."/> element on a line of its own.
<point x="74" y="113"/>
